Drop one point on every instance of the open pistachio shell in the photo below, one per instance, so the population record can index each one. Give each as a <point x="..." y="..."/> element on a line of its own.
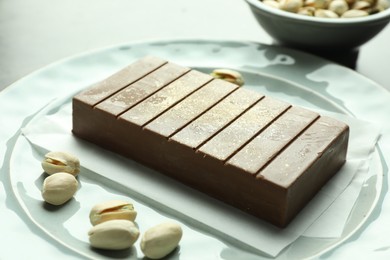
<point x="113" y="209"/>
<point x="228" y="75"/>
<point x="61" y="162"/>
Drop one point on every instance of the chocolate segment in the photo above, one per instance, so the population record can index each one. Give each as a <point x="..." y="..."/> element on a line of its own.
<point x="121" y="79"/>
<point x="191" y="107"/>
<point x="266" y="145"/>
<point x="141" y="89"/>
<point x="166" y="98"/>
<point x="300" y="165"/>
<point x="240" y="131"/>
<point x="216" y="118"/>
<point x="258" y="154"/>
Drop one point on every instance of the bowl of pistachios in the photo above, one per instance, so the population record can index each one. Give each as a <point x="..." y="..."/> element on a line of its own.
<point x="322" y="24"/>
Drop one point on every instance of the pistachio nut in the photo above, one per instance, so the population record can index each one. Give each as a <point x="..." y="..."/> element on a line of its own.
<point x="382" y="4"/>
<point x="229" y="75"/>
<point x="324" y="13"/>
<point x="61" y="162"/>
<point x="59" y="187"/>
<point x="291" y="5"/>
<point x="115" y="234"/>
<point x="307" y="10"/>
<point x="330" y="8"/>
<point x="350" y="2"/>
<point x="160" y="240"/>
<point x="370" y="1"/>
<point x="113" y="209"/>
<point x="361" y="5"/>
<point x="321" y="4"/>
<point x="354" y="13"/>
<point x="338" y="6"/>
<point x="272" y="3"/>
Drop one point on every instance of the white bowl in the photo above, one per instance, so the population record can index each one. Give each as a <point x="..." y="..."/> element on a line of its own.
<point x="315" y="33"/>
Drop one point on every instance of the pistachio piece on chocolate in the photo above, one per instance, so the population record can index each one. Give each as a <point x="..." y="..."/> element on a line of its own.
<point x="160" y="240"/>
<point x="228" y="75"/>
<point x="59" y="187"/>
<point x="115" y="234"/>
<point x="61" y="162"/>
<point x="113" y="209"/>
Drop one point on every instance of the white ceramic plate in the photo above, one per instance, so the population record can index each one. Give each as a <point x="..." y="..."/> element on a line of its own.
<point x="293" y="76"/>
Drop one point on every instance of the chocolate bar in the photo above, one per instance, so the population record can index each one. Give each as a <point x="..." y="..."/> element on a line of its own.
<point x="261" y="155"/>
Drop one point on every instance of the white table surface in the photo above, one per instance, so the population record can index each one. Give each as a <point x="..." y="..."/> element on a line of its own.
<point x="36" y="33"/>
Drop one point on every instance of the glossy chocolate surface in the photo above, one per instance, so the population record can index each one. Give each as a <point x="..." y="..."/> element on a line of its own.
<point x="258" y="154"/>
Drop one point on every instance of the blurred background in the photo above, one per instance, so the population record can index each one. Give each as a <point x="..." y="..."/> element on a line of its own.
<point x="35" y="33"/>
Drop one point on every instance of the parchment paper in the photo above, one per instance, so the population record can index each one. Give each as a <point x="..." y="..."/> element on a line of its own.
<point x="320" y="218"/>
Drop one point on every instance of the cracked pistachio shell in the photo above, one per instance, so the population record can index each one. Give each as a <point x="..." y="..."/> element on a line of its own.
<point x="229" y="75"/>
<point x="115" y="234"/>
<point x="61" y="162"/>
<point x="160" y="240"/>
<point x="113" y="209"/>
<point x="58" y="188"/>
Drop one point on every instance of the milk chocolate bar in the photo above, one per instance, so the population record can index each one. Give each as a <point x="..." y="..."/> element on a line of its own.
<point x="256" y="153"/>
